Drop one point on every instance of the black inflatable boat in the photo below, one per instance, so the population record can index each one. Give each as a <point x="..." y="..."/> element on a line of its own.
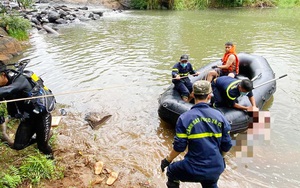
<point x="254" y="67"/>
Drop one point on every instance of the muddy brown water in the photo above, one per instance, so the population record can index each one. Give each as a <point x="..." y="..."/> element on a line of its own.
<point x="125" y="60"/>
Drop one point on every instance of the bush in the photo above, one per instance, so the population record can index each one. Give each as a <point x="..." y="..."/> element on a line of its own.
<point x="138" y="4"/>
<point x="15" y="26"/>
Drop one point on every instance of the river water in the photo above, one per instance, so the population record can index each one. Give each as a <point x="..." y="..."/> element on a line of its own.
<point x="125" y="59"/>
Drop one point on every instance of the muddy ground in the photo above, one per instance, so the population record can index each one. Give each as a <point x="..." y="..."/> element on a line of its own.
<point x="77" y="150"/>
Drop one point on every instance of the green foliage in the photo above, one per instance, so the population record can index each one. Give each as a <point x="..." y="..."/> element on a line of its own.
<point x="15" y="26"/>
<point x="288" y="3"/>
<point x="201" y="4"/>
<point x="36" y="168"/>
<point x="32" y="169"/>
<point x="138" y="4"/>
<point x="3" y="111"/>
<point x="3" y="8"/>
<point x="26" y="3"/>
<point x="224" y="3"/>
<point x="11" y="180"/>
<point x="178" y="4"/>
<point x="190" y="4"/>
<point x="259" y="3"/>
<point x="152" y="4"/>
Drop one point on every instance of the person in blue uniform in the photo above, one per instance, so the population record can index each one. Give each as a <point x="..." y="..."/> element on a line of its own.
<point x="14" y="85"/>
<point x="226" y="90"/>
<point x="205" y="132"/>
<point x="180" y="78"/>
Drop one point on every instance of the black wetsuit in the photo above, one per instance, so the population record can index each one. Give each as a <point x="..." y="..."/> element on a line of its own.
<point x="31" y="123"/>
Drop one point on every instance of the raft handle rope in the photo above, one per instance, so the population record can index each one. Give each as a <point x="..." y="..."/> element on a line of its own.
<point x="269" y="81"/>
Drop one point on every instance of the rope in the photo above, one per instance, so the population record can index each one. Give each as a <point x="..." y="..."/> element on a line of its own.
<point x="66" y="93"/>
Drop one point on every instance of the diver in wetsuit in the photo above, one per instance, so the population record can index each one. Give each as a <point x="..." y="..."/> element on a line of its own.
<point x="14" y="85"/>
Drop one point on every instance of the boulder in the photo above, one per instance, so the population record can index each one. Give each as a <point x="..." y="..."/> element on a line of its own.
<point x="9" y="47"/>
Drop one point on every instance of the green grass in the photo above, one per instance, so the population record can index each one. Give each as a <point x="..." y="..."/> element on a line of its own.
<point x="15" y="26"/>
<point x="26" y="166"/>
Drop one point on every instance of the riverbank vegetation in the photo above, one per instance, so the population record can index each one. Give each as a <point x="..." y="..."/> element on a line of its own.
<point x="28" y="168"/>
<point x="15" y="25"/>
<point x="202" y="4"/>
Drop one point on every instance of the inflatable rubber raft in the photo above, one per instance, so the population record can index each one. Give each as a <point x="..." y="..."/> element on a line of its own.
<point x="251" y="66"/>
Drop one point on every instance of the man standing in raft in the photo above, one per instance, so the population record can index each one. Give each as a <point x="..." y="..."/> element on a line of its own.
<point x="180" y="73"/>
<point x="230" y="64"/>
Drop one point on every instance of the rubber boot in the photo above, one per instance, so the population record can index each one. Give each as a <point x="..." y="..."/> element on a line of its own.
<point x="172" y="184"/>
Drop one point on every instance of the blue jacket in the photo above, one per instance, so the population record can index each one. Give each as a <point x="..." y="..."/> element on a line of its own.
<point x="178" y="69"/>
<point x="228" y="88"/>
<point x="205" y="131"/>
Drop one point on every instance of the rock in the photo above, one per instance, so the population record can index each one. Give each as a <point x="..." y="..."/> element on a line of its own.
<point x="62" y="13"/>
<point x="61" y="21"/>
<point x="100" y="13"/>
<point x="53" y="16"/>
<point x="9" y="47"/>
<point x="83" y="8"/>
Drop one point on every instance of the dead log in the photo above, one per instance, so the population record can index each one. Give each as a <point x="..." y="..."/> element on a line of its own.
<point x="50" y="30"/>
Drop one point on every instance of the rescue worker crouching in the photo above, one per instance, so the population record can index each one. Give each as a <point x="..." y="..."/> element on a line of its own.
<point x="205" y="131"/>
<point x="14" y="85"/>
<point x="226" y="91"/>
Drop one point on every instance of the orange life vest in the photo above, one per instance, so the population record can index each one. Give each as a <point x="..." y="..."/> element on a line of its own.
<point x="233" y="66"/>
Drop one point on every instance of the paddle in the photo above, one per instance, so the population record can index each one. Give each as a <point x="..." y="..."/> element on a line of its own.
<point x="256" y="77"/>
<point x="269" y="81"/>
<point x="185" y="76"/>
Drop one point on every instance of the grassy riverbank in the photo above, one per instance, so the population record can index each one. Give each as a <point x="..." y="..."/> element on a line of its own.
<point x="202" y="4"/>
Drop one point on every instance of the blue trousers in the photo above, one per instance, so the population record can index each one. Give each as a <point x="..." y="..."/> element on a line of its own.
<point x="181" y="171"/>
<point x="184" y="87"/>
<point x="218" y="100"/>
